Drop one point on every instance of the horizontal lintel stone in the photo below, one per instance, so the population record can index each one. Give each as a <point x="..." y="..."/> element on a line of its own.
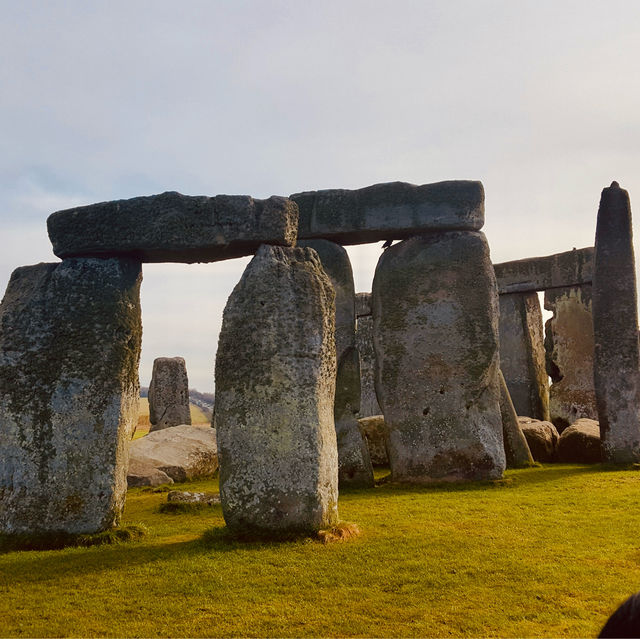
<point x="172" y="227"/>
<point x="571" y="268"/>
<point x="391" y="211"/>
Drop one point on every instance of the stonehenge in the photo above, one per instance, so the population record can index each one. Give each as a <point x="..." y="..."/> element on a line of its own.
<point x="443" y="355"/>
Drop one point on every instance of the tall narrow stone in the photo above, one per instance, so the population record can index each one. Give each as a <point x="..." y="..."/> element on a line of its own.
<point x="569" y="351"/>
<point x="364" y="342"/>
<point x="169" y="393"/>
<point x="354" y="463"/>
<point x="69" y="350"/>
<point x="435" y="314"/>
<point x="522" y="356"/>
<point x="275" y="388"/>
<point x="516" y="448"/>
<point x="615" y="326"/>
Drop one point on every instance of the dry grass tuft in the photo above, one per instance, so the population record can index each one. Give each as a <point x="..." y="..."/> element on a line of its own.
<point x="342" y="531"/>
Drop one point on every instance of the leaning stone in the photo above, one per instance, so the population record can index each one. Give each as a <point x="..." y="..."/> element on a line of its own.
<point x="615" y="325"/>
<point x="183" y="452"/>
<point x="275" y="389"/>
<point x="522" y="355"/>
<point x="375" y="433"/>
<point x="435" y="313"/>
<point x="143" y="474"/>
<point x="395" y="210"/>
<point x="542" y="438"/>
<point x="580" y="443"/>
<point x="515" y="443"/>
<point x="172" y="227"/>
<point x="571" y="268"/>
<point x="569" y="355"/>
<point x="69" y="350"/>
<point x="169" y="393"/>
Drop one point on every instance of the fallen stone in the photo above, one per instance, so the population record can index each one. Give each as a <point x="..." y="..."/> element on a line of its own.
<point x="435" y="314"/>
<point x="522" y="354"/>
<point x="172" y="227"/>
<point x="275" y="390"/>
<point x="569" y="355"/>
<point x="142" y="474"/>
<point x="616" y="362"/>
<point x="391" y="211"/>
<point x="169" y="393"/>
<point x="571" y="268"/>
<point x="185" y="497"/>
<point x="542" y="438"/>
<point x="580" y="443"/>
<point x="69" y="351"/>
<point x="182" y="452"/>
<point x="516" y="448"/>
<point x="375" y="433"/>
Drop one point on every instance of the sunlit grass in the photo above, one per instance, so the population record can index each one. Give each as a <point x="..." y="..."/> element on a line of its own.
<point x="547" y="552"/>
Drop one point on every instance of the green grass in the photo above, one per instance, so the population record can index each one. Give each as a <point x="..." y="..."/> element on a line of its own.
<point x="546" y="552"/>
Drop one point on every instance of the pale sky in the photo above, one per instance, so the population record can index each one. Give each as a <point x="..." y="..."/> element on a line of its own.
<point x="108" y="100"/>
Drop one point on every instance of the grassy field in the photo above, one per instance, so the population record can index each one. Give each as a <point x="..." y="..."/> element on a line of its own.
<point x="197" y="417"/>
<point x="546" y="552"/>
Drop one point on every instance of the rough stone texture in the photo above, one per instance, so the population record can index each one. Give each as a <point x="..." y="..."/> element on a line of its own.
<point x="199" y="499"/>
<point x="364" y="342"/>
<point x="522" y="355"/>
<point x="275" y="389"/>
<point x="182" y="452"/>
<point x="615" y="326"/>
<point x="69" y="350"/>
<point x="375" y="433"/>
<point x="435" y="313"/>
<point x="569" y="355"/>
<point x="395" y="210"/>
<point x="169" y="393"/>
<point x="580" y="443"/>
<point x="143" y="474"/>
<point x="363" y="305"/>
<point x="172" y="227"/>
<point x="516" y="448"/>
<point x="542" y="438"/>
<point x="571" y="268"/>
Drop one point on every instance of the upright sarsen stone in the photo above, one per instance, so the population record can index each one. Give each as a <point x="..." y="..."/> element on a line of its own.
<point x="435" y="313"/>
<point x="364" y="342"/>
<point x="275" y="387"/>
<point x="169" y="393"/>
<point x="522" y="355"/>
<point x="615" y="326"/>
<point x="69" y="351"/>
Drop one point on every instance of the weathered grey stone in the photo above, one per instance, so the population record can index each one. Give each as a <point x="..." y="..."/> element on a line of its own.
<point x="389" y="211"/>
<point x="69" y="350"/>
<point x="615" y="326"/>
<point x="275" y="389"/>
<point x="375" y="433"/>
<point x="199" y="499"/>
<point x="363" y="305"/>
<point x="571" y="268"/>
<point x="435" y="313"/>
<point x="516" y="448"/>
<point x="144" y="474"/>
<point x="172" y="227"/>
<point x="522" y="355"/>
<point x="569" y="355"/>
<point x="580" y="443"/>
<point x="542" y="438"/>
<point x="183" y="452"/>
<point x="169" y="393"/>
<point x="364" y="342"/>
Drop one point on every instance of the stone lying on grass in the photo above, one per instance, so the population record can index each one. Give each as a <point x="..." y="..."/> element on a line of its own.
<point x="542" y="438"/>
<point x="143" y="474"/>
<point x="185" y="497"/>
<point x="375" y="433"/>
<point x="580" y="443"/>
<point x="183" y="452"/>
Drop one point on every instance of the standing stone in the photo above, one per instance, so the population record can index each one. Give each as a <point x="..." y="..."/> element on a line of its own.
<point x="69" y="350"/>
<point x="435" y="315"/>
<point x="569" y="352"/>
<point x="516" y="448"/>
<point x="364" y="342"/>
<point x="354" y="464"/>
<point x="169" y="393"/>
<point x="275" y="388"/>
<point x="615" y="327"/>
<point x="522" y="355"/>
